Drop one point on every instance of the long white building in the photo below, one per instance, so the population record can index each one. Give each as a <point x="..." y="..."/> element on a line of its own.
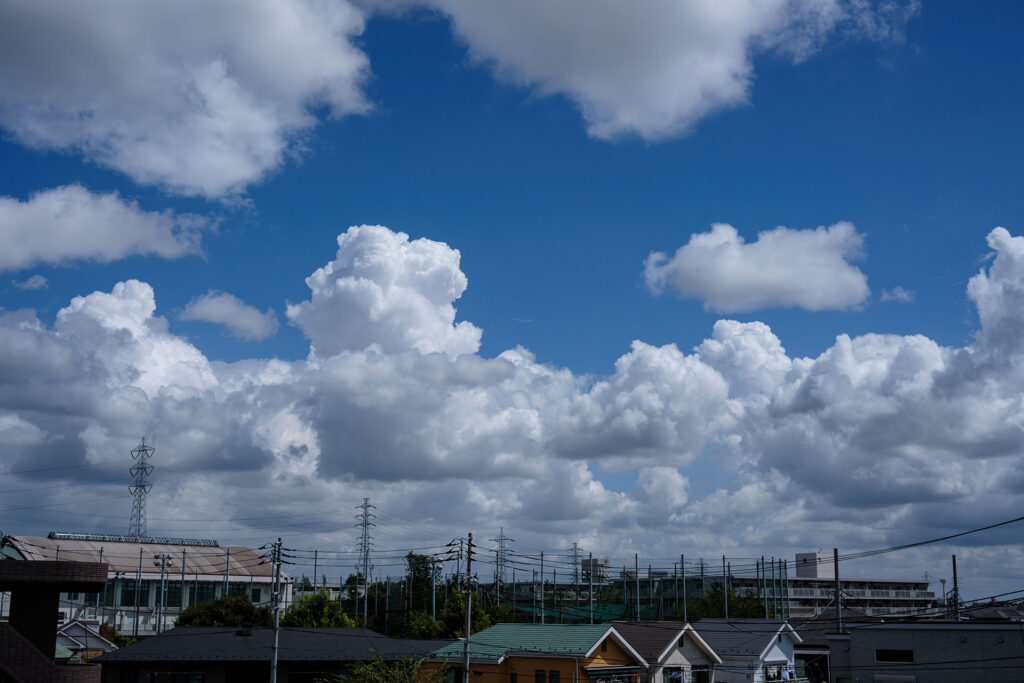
<point x="151" y="580"/>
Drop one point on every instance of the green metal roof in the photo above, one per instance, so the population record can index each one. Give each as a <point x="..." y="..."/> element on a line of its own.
<point x="497" y="641"/>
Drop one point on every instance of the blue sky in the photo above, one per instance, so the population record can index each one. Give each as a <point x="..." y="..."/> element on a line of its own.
<point x="900" y="119"/>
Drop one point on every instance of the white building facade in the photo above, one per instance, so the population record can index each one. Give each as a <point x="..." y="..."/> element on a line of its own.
<point x="151" y="580"/>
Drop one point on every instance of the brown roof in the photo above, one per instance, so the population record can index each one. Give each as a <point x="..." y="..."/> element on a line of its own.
<point x="652" y="638"/>
<point x="649" y="638"/>
<point x="124" y="556"/>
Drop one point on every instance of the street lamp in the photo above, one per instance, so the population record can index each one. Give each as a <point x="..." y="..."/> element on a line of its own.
<point x="162" y="560"/>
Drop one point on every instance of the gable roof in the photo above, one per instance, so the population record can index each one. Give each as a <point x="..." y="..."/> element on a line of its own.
<point x="743" y="637"/>
<point x="573" y="640"/>
<point x="655" y="639"/>
<point x="217" y="644"/>
<point x="86" y="636"/>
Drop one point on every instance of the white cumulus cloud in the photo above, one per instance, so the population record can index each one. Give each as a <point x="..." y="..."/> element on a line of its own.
<point x="808" y="269"/>
<point x="652" y="68"/>
<point x="70" y="223"/>
<point x="383" y="289"/>
<point x="201" y="97"/>
<point x="737" y="446"/>
<point x="241" y="320"/>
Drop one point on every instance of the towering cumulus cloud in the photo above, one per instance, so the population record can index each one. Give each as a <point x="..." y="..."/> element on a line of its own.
<point x="879" y="438"/>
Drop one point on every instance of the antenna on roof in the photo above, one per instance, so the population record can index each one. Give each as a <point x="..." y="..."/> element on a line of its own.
<point x="140" y="472"/>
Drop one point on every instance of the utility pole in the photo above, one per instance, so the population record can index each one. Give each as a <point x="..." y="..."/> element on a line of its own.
<point x="764" y="588"/>
<point x="138" y="586"/>
<point x="365" y="545"/>
<point x="542" y="586"/>
<point x="590" y="576"/>
<point x="575" y="550"/>
<point x="433" y="588"/>
<point x="534" y="592"/>
<point x="839" y="609"/>
<point x="162" y="560"/>
<point x="725" y="588"/>
<point x="956" y="592"/>
<point x="276" y="555"/>
<point x="636" y="577"/>
<point x="467" y="588"/>
<point x="682" y="571"/>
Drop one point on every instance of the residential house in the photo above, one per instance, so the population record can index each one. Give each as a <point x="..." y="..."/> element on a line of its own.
<point x="546" y="653"/>
<point x="83" y="640"/>
<point x="675" y="653"/>
<point x="233" y="655"/>
<point x="752" y="650"/>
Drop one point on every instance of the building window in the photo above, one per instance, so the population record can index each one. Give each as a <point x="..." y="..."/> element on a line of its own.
<point x="901" y="656"/>
<point x="604" y="646"/>
<point x="238" y="589"/>
<point x="173" y="594"/>
<point x="513" y="678"/>
<point x="206" y="591"/>
<point x="256" y="595"/>
<point x="128" y="593"/>
<point x="539" y="677"/>
<point x="554" y="677"/>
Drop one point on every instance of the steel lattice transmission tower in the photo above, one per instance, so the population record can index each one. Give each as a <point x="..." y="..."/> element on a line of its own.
<point x="365" y="545"/>
<point x="501" y="556"/>
<point x="140" y="472"/>
<point x="576" y="553"/>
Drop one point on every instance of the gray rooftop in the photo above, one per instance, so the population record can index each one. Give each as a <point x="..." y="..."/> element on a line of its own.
<point x="220" y="644"/>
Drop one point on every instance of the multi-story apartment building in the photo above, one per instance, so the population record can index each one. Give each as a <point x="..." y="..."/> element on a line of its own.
<point x="811" y="591"/>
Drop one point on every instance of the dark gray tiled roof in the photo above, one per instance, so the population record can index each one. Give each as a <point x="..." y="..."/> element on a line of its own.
<point x="738" y="637"/>
<point x="649" y="638"/>
<point x="220" y="644"/>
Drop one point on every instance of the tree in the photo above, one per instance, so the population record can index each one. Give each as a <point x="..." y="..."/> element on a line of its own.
<point x="354" y="585"/>
<point x="712" y="605"/>
<point x="230" y="611"/>
<point x="316" y="609"/>
<point x="423" y="574"/>
<point x="401" y="671"/>
<point x="502" y="614"/>
<point x="111" y="634"/>
<point x="453" y="615"/>
<point x="418" y="624"/>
